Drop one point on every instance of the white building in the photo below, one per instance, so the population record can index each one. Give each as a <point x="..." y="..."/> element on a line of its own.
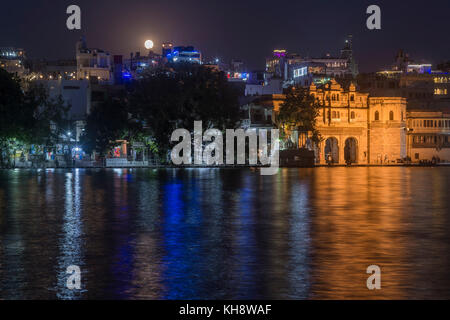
<point x="272" y="86"/>
<point x="76" y="93"/>
<point x="93" y="63"/>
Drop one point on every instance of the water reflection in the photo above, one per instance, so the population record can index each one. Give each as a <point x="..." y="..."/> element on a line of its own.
<point x="70" y="247"/>
<point x="225" y="234"/>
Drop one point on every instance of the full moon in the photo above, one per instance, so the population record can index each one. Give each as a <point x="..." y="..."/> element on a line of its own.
<point x="149" y="44"/>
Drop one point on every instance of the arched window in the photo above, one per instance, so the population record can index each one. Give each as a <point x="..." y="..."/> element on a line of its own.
<point x="337" y="97"/>
<point x="377" y="116"/>
<point x="352" y="115"/>
<point x="391" y="116"/>
<point x="352" y="98"/>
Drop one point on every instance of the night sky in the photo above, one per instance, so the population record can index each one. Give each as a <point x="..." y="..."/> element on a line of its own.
<point x="241" y="29"/>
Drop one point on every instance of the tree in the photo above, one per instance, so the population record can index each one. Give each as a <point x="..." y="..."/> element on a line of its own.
<point x="169" y="99"/>
<point x="16" y="118"/>
<point x="50" y="115"/>
<point x="299" y="111"/>
<point x="26" y="118"/>
<point x="107" y="123"/>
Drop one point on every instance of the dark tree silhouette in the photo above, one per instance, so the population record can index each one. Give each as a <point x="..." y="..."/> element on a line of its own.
<point x="107" y="123"/>
<point x="26" y="118"/>
<point x="169" y="99"/>
<point x="299" y="111"/>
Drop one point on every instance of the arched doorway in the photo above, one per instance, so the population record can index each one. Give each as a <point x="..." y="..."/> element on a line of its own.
<point x="332" y="149"/>
<point x="351" y="150"/>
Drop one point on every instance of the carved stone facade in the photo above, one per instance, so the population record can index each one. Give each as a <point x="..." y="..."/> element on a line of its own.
<point x="357" y="128"/>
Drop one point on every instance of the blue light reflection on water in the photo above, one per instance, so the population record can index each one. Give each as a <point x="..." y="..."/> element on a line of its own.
<point x="224" y="234"/>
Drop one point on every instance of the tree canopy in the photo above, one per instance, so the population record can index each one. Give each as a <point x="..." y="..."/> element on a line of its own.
<point x="106" y="123"/>
<point x="29" y="117"/>
<point x="166" y="100"/>
<point x="299" y="111"/>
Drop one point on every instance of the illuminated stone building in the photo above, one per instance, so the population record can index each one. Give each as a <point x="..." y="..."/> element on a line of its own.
<point x="429" y="134"/>
<point x="357" y="128"/>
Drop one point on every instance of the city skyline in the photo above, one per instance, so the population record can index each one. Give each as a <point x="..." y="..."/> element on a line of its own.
<point x="233" y="30"/>
<point x="232" y="157"/>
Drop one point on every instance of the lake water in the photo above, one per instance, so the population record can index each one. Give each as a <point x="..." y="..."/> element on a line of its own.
<point x="225" y="234"/>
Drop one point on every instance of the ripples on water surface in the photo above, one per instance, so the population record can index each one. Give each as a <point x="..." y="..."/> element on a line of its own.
<point x="225" y="234"/>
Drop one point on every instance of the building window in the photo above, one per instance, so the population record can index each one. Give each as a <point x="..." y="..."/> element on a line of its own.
<point x="335" y="115"/>
<point x="352" y="98"/>
<point x="352" y="115"/>
<point x="440" y="91"/>
<point x="391" y="116"/>
<point x="377" y="116"/>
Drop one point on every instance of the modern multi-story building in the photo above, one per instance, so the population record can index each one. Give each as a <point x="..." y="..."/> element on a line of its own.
<point x="93" y="63"/>
<point x="276" y="64"/>
<point x="167" y="48"/>
<point x="418" y="82"/>
<point x="138" y="63"/>
<point x="75" y="93"/>
<point x="13" y="60"/>
<point x="297" y="70"/>
<point x="185" y="54"/>
<point x="51" y="70"/>
<point x="272" y="86"/>
<point x="423" y="90"/>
